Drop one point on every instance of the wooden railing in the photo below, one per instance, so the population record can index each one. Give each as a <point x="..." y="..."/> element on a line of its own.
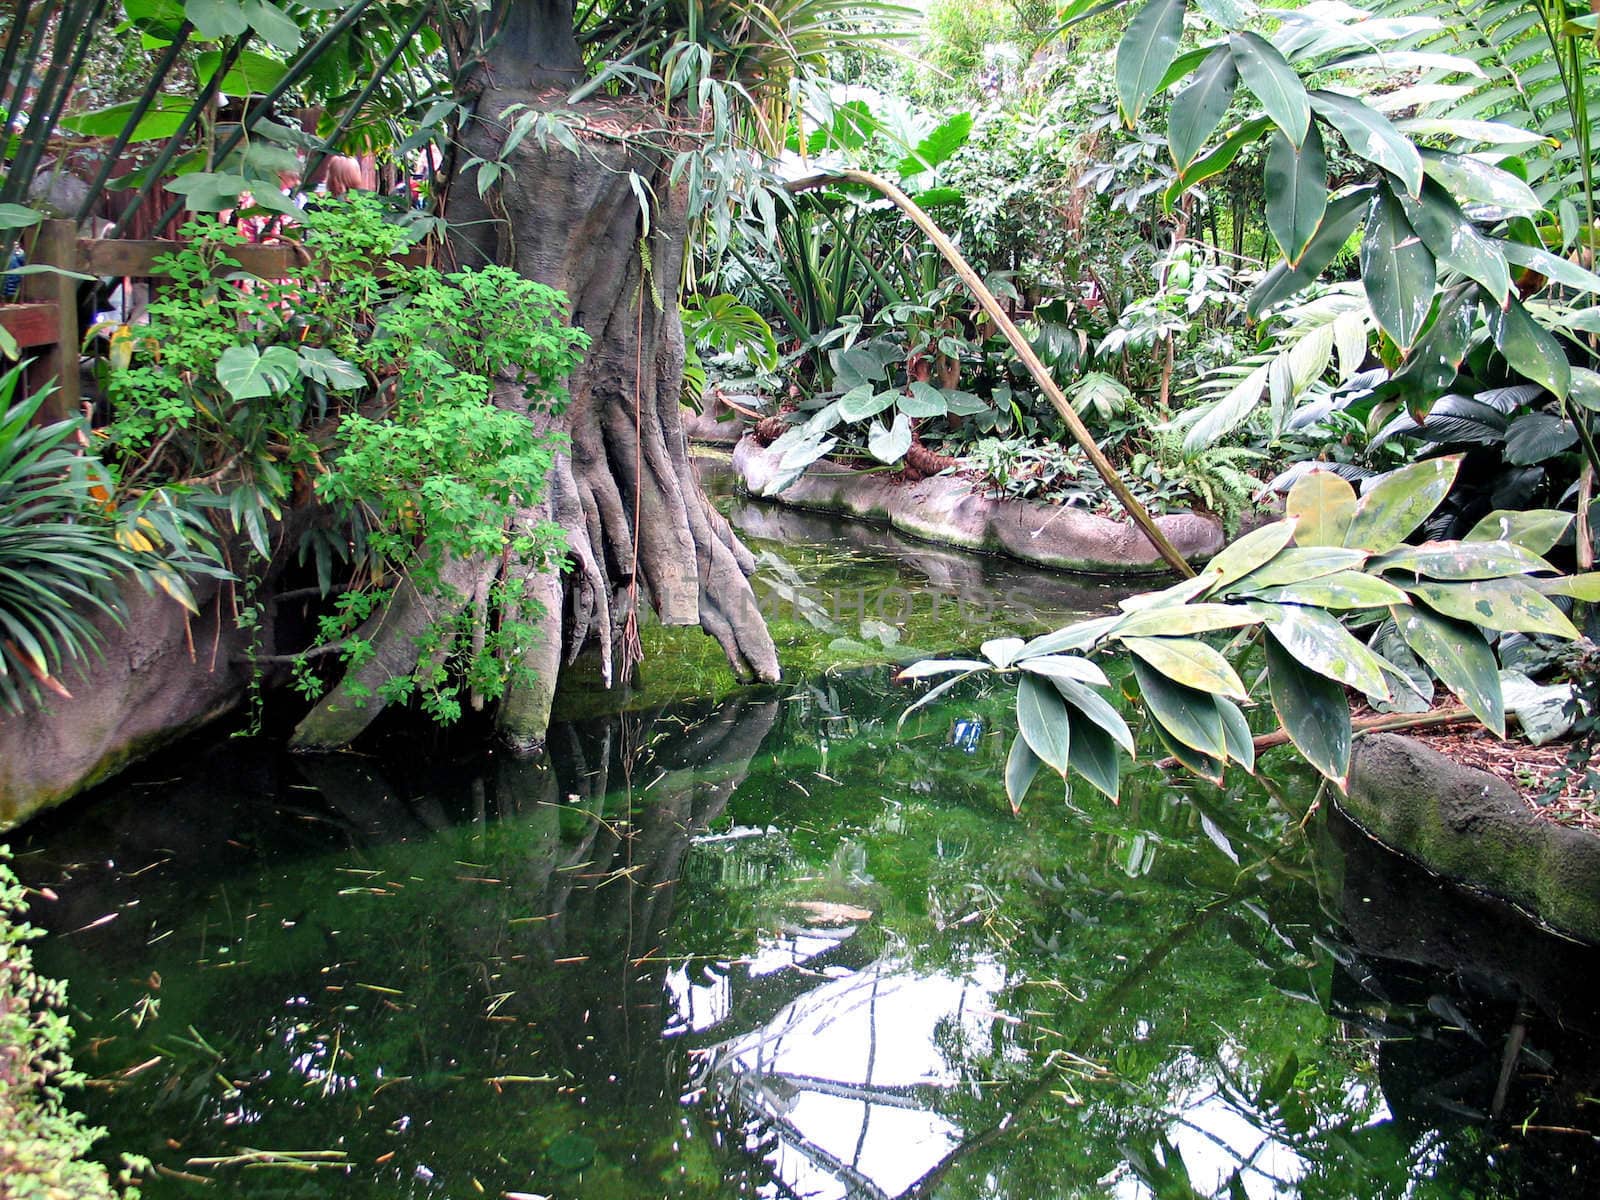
<point x="44" y="321"/>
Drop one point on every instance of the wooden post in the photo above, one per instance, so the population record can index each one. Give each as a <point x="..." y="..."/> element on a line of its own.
<point x="55" y="243"/>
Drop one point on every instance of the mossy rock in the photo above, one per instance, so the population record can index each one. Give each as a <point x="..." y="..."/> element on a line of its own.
<point x="1474" y="829"/>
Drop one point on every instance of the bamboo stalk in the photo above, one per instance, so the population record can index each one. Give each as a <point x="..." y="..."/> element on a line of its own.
<point x="1024" y="351"/>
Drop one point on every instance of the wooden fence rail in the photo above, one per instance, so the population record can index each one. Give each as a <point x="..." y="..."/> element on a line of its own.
<point x="45" y="320"/>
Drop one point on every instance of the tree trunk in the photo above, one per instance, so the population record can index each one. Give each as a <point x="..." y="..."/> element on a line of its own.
<point x="639" y="528"/>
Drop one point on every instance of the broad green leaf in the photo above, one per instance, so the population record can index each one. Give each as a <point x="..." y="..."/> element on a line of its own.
<point x="1247" y="553"/>
<point x="863" y="401"/>
<point x="940" y="666"/>
<point x="1455" y="241"/>
<point x="938" y="147"/>
<point x="1175" y="596"/>
<point x="1476" y="182"/>
<point x="1435" y="361"/>
<point x="1370" y="135"/>
<point x="1190" y="716"/>
<point x="1183" y="619"/>
<point x="1321" y="644"/>
<point x="1002" y="652"/>
<point x="1098" y="710"/>
<point x="1299" y="563"/>
<point x="1534" y="437"/>
<point x="1344" y="589"/>
<point x="1093" y="754"/>
<point x="1459" y="656"/>
<point x="1236" y="732"/>
<point x="889" y="445"/>
<point x="1297" y="191"/>
<point x="1579" y="587"/>
<point x="1552" y="266"/>
<point x="1536" y="530"/>
<point x="1397" y="271"/>
<point x="1313" y="711"/>
<point x="1078" y="636"/>
<point x="1206" y="766"/>
<point x="322" y="365"/>
<point x="1399" y="502"/>
<point x="1022" y="764"/>
<point x="1065" y="666"/>
<point x="160" y="120"/>
<point x="1042" y="720"/>
<point x="16" y="216"/>
<point x="1147" y="48"/>
<point x="1463" y="560"/>
<point x="1197" y="110"/>
<point x="1321" y="504"/>
<point x="213" y="19"/>
<point x="1338" y="223"/>
<point x="1492" y="133"/>
<point x="1530" y="348"/>
<point x="1508" y="605"/>
<point x="1189" y="662"/>
<point x="249" y="374"/>
<point x="1274" y="82"/>
<point x="922" y="400"/>
<point x="1216" y="161"/>
<point x="273" y="24"/>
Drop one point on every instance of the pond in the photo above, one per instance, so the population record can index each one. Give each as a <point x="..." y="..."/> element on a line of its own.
<point x="759" y="943"/>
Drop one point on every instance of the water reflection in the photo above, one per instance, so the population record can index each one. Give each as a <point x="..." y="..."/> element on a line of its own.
<point x="776" y="948"/>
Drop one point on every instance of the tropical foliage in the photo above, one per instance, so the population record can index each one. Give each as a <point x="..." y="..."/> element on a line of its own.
<point x="1296" y="589"/>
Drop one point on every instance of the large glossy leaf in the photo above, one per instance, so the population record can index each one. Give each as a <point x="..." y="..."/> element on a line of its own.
<point x="273" y="25"/>
<point x="1312" y="710"/>
<point x="1236" y="733"/>
<point x="1509" y="605"/>
<point x="1338" y="223"/>
<point x="1022" y="764"/>
<point x="939" y="146"/>
<point x="1579" y="587"/>
<point x="1297" y="191"/>
<point x="1247" y="553"/>
<point x="1216" y="161"/>
<point x="923" y="400"/>
<point x="1097" y="709"/>
<point x="1065" y="666"/>
<point x="1190" y="716"/>
<point x="1477" y="182"/>
<point x="1042" y="720"/>
<point x="1552" y="266"/>
<point x="1183" y="619"/>
<point x="1094" y="755"/>
<point x="889" y="445"/>
<point x="1463" y="560"/>
<point x="1190" y="662"/>
<point x="1274" y="82"/>
<point x="1399" y="502"/>
<point x="1198" y="109"/>
<point x="1536" y="436"/>
<point x="1536" y="530"/>
<point x="1322" y="504"/>
<point x="1080" y="635"/>
<point x="1459" y="656"/>
<point x="941" y="666"/>
<point x="161" y="119"/>
<point x="1002" y="651"/>
<point x="1435" y="361"/>
<point x="1397" y="271"/>
<point x="1206" y="766"/>
<point x="1529" y="347"/>
<point x="1455" y="240"/>
<point x="1321" y="644"/>
<point x="863" y="401"/>
<point x="1344" y="589"/>
<point x="213" y="19"/>
<point x="1147" y="48"/>
<point x="1299" y="563"/>
<point x="1371" y="136"/>
<point x="249" y="373"/>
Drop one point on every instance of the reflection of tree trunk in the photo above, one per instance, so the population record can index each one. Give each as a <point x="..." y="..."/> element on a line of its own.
<point x="639" y="529"/>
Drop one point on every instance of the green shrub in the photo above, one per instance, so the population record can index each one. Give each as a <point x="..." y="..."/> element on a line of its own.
<point x="42" y="1141"/>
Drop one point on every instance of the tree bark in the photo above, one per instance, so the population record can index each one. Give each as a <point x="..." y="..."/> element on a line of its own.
<point x="639" y="528"/>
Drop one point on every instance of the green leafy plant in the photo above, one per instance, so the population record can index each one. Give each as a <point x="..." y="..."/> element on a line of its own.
<point x="1291" y="587"/>
<point x="44" y="1145"/>
<point x="65" y="550"/>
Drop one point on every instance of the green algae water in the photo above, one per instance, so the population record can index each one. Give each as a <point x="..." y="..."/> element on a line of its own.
<point x="759" y="943"/>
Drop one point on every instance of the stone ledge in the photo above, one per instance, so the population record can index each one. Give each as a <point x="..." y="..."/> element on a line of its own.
<point x="945" y="510"/>
<point x="1472" y="828"/>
